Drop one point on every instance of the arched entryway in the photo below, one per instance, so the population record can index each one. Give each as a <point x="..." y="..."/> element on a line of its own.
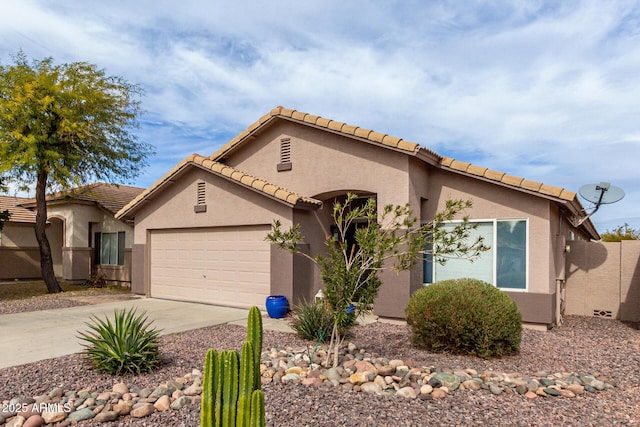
<point x="317" y="226"/>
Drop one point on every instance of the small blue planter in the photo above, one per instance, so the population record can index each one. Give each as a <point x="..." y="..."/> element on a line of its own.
<point x="277" y="306"/>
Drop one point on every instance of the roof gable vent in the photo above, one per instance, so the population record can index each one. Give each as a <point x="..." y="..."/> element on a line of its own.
<point x="285" y="155"/>
<point x="201" y="198"/>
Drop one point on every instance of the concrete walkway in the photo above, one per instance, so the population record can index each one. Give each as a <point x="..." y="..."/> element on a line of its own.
<point x="38" y="335"/>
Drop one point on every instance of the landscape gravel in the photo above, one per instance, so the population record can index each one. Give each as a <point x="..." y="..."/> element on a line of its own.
<point x="61" y="300"/>
<point x="604" y="347"/>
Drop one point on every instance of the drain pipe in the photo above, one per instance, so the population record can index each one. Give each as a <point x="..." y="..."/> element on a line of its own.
<point x="559" y="301"/>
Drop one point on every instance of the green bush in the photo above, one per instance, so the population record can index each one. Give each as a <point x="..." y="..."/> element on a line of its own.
<point x="311" y="321"/>
<point x="128" y="345"/>
<point x="464" y="316"/>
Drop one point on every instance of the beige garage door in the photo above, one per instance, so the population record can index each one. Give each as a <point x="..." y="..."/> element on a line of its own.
<point x="225" y="266"/>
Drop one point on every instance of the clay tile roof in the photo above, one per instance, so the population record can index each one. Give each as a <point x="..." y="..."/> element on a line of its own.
<point x="567" y="195"/>
<point x="18" y="213"/>
<point x="247" y="180"/>
<point x="310" y="118"/>
<point x="298" y="115"/>
<point x="408" y="146"/>
<point x="376" y="136"/>
<point x="493" y="175"/>
<point x="345" y="129"/>
<point x="395" y="143"/>
<point x="348" y="129"/>
<point x="476" y="170"/>
<point x="286" y="112"/>
<point x="510" y="180"/>
<point x="333" y="125"/>
<point x="111" y="197"/>
<point x="446" y="161"/>
<point x="531" y="185"/>
<point x="323" y="122"/>
<point x="551" y="190"/>
<point x="229" y="172"/>
<point x="516" y="181"/>
<point x="458" y="165"/>
<point x="256" y="183"/>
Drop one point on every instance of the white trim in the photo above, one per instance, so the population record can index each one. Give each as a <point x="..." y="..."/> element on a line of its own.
<point x="494" y="245"/>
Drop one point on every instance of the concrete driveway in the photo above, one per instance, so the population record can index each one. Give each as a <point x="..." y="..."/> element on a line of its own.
<point x="38" y="335"/>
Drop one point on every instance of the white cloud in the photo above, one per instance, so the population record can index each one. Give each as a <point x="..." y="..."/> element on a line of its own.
<point x="542" y="89"/>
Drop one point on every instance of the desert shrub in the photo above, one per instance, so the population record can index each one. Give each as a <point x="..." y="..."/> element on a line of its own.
<point x="464" y="316"/>
<point x="314" y="320"/>
<point x="311" y="320"/>
<point x="126" y="345"/>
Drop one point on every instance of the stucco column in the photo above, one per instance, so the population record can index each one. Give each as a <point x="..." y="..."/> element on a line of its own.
<point x="76" y="264"/>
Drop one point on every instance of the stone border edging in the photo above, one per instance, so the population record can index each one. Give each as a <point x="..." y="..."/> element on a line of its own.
<point x="358" y="371"/>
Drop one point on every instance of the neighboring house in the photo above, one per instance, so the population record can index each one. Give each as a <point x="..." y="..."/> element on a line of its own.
<point x="200" y="230"/>
<point x="86" y="240"/>
<point x="19" y="253"/>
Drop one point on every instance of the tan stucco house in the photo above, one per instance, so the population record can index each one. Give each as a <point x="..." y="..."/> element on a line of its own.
<point x="86" y="239"/>
<point x="200" y="230"/>
<point x="19" y="254"/>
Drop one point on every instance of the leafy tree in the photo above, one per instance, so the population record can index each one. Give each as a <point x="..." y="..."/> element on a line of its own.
<point x="622" y="232"/>
<point x="350" y="268"/>
<point x="65" y="125"/>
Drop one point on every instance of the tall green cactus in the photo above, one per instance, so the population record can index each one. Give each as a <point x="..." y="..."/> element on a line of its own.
<point x="246" y="385"/>
<point x="230" y="389"/>
<point x="219" y="379"/>
<point x="230" y="385"/>
<point x="254" y="335"/>
<point x="258" y="418"/>
<point x="208" y="389"/>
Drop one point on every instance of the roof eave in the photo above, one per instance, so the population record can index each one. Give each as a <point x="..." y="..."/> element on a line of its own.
<point x="299" y="202"/>
<point x="356" y="137"/>
<point x="428" y="156"/>
<point x="503" y="184"/>
<point x="579" y="220"/>
<point x="307" y="205"/>
<point x="20" y="221"/>
<point x="354" y="132"/>
<point x="570" y="203"/>
<point x="238" y="141"/>
<point x="126" y="213"/>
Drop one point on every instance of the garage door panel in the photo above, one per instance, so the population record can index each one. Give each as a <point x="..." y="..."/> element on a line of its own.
<point x="226" y="266"/>
<point x="221" y="295"/>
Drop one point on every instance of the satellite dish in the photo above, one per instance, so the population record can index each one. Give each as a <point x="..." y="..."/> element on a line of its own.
<point x="600" y="194"/>
<point x="603" y="193"/>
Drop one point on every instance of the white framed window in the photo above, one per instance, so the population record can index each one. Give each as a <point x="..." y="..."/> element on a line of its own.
<point x="109" y="248"/>
<point x="505" y="264"/>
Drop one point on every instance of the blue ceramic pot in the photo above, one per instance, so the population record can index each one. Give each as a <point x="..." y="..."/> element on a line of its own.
<point x="277" y="306"/>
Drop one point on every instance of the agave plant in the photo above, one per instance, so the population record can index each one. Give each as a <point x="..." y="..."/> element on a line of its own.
<point x="128" y="345"/>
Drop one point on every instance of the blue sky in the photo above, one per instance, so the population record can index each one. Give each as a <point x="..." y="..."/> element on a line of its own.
<point x="547" y="90"/>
